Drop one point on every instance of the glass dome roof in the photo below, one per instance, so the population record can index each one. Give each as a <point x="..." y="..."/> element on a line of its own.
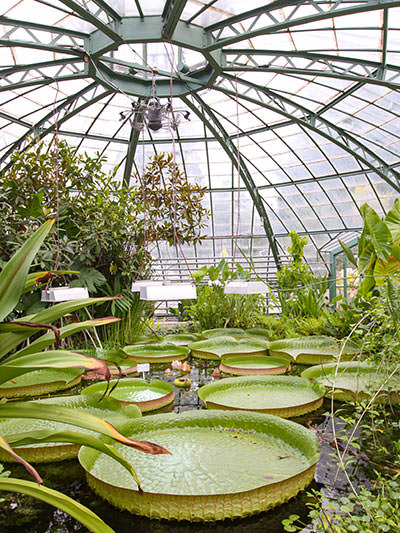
<point x="294" y="106"/>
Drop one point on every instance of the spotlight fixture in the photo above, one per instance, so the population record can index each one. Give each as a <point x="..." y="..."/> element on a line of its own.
<point x="151" y="113"/>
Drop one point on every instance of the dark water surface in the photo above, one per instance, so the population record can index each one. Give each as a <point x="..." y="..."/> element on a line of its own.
<point x="22" y="514"/>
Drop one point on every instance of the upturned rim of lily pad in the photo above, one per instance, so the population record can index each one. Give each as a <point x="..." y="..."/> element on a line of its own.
<point x="57" y="379"/>
<point x="109" y="409"/>
<point x="246" y="385"/>
<point x="217" y="347"/>
<point x="361" y="388"/>
<point x="227" y="501"/>
<point x="254" y="365"/>
<point x="158" y="386"/>
<point x="155" y="353"/>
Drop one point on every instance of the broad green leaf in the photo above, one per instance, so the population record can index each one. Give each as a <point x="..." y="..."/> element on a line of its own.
<point x="50" y="359"/>
<point x="13" y="275"/>
<point x="9" y="341"/>
<point x="348" y="252"/>
<point x="38" y="437"/>
<point x="40" y="278"/>
<point x="384" y="269"/>
<point x="392" y="220"/>
<point x="46" y="340"/>
<point x="393" y="301"/>
<point x="68" y="416"/>
<point x="379" y="232"/>
<point x="55" y="498"/>
<point x="4" y="445"/>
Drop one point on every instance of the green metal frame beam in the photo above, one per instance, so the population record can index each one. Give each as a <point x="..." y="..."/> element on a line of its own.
<point x="312" y="121"/>
<point x="54" y="30"/>
<point x="135" y="86"/>
<point x="171" y="15"/>
<point x="84" y="13"/>
<point x="35" y="74"/>
<point x="317" y="10"/>
<point x="67" y="109"/>
<point x="15" y="120"/>
<point x="230" y="149"/>
<point x="130" y="156"/>
<point x="323" y="65"/>
<point x="107" y="9"/>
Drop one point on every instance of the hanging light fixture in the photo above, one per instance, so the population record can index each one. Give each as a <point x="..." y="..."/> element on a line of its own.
<point x="151" y="113"/>
<point x="168" y="291"/>
<point x="63" y="294"/>
<point x="243" y="286"/>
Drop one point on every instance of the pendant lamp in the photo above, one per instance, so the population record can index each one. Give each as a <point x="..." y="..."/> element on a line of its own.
<point x="168" y="292"/>
<point x="63" y="294"/>
<point x="242" y="286"/>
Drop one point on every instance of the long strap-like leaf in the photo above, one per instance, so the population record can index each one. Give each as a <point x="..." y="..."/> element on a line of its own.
<point x="59" y="500"/>
<point x="13" y="275"/>
<point x="68" y="416"/>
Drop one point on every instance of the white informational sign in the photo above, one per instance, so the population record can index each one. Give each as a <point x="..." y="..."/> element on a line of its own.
<point x="143" y="367"/>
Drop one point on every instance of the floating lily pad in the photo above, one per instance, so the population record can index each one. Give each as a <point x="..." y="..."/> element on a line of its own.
<point x="147" y="396"/>
<point x="222" y="465"/>
<point x="217" y="347"/>
<point x="147" y="339"/>
<point x="283" y="396"/>
<point x="155" y="353"/>
<point x="258" y="332"/>
<point x="311" y="350"/>
<point x="109" y="409"/>
<point x="237" y="333"/>
<point x="42" y="381"/>
<point x="256" y="364"/>
<point x="352" y="380"/>
<point x="181" y="339"/>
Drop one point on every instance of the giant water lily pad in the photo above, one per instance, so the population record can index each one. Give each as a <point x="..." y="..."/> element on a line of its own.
<point x="355" y="381"/>
<point x="108" y="409"/>
<point x="147" y="396"/>
<point x="217" y="347"/>
<point x="311" y="350"/>
<point x="222" y="465"/>
<point x="155" y="353"/>
<point x="42" y="381"/>
<point x="181" y="339"/>
<point x="237" y="333"/>
<point x="284" y="396"/>
<point x="255" y="364"/>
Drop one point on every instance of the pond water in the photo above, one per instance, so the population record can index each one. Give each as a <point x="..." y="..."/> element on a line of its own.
<point x="21" y="514"/>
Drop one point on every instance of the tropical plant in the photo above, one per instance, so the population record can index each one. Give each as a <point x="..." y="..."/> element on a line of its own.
<point x="15" y="362"/>
<point x="301" y="293"/>
<point x="378" y="248"/>
<point x="215" y="309"/>
<point x="104" y="228"/>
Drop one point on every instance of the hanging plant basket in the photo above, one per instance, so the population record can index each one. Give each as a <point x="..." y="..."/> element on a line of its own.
<point x="256" y="364"/>
<point x="147" y="396"/>
<point x="42" y="381"/>
<point x="108" y="409"/>
<point x="355" y="381"/>
<point x="284" y="396"/>
<point x="155" y="353"/>
<point x="217" y="347"/>
<point x="311" y="350"/>
<point x="222" y="465"/>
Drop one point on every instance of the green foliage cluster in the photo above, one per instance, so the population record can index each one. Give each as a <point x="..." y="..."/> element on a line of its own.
<point x="102" y="225"/>
<point x="103" y="228"/>
<point x="301" y="293"/>
<point x="378" y="248"/>
<point x="215" y="309"/>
